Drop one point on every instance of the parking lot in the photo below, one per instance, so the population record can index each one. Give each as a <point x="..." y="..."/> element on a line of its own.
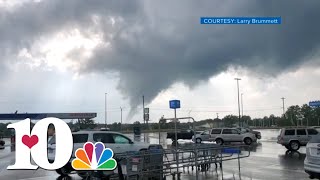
<point x="268" y="160"/>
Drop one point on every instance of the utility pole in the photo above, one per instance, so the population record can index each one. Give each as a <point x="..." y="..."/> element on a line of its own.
<point x="144" y="122"/>
<point x="143" y="110"/>
<point x="283" y="105"/>
<point x="105" y="109"/>
<point x="121" y="118"/>
<point x="237" y="79"/>
<point x="241" y="105"/>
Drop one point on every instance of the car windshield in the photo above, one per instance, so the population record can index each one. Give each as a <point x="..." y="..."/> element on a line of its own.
<point x="244" y="130"/>
<point x="280" y="132"/>
<point x="206" y="132"/>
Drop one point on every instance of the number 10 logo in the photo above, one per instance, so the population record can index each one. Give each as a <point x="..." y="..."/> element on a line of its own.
<point x="35" y="144"/>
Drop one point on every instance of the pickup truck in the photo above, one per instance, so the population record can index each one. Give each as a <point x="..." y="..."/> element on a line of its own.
<point x="181" y="134"/>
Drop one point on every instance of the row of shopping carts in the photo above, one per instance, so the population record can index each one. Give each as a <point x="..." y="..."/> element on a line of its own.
<point x="157" y="163"/>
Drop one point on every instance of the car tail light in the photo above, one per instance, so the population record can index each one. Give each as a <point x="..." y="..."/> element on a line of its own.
<point x="313" y="149"/>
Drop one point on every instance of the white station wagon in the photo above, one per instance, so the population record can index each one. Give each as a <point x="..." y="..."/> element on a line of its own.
<point x="312" y="160"/>
<point x="118" y="142"/>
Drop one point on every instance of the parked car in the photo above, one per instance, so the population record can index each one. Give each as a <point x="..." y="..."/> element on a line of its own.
<point x="247" y="130"/>
<point x="293" y="138"/>
<point x="222" y="135"/>
<point x="312" y="160"/>
<point x="118" y="142"/>
<point x="181" y="134"/>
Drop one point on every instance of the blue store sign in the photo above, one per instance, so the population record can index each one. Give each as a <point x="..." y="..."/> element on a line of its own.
<point x="174" y="104"/>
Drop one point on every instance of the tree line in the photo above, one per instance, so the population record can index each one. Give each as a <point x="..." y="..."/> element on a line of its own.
<point x="294" y="116"/>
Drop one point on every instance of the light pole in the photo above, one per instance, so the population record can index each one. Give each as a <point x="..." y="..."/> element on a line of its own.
<point x="238" y="79"/>
<point x="121" y="118"/>
<point x="283" y="106"/>
<point x="144" y="119"/>
<point x="105" y="109"/>
<point x="242" y="105"/>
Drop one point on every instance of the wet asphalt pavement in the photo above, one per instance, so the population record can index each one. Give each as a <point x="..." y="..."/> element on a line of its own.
<point x="268" y="161"/>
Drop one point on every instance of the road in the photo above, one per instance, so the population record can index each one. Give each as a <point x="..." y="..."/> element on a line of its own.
<point x="268" y="161"/>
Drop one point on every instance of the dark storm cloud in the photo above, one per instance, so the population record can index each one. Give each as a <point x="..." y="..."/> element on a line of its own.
<point x="22" y="26"/>
<point x="172" y="46"/>
<point x="157" y="43"/>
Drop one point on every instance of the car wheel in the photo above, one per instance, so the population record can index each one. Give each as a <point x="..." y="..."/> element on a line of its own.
<point x="198" y="140"/>
<point x="247" y="141"/>
<point x="294" y="145"/>
<point x="219" y="141"/>
<point x="64" y="171"/>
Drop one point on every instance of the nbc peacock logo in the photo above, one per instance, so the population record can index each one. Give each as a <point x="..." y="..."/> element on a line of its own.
<point x="94" y="157"/>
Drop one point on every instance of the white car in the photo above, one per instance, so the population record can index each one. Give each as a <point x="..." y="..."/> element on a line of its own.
<point x="312" y="160"/>
<point x="221" y="135"/>
<point x="118" y="142"/>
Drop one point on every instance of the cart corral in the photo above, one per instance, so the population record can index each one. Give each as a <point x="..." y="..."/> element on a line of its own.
<point x="160" y="163"/>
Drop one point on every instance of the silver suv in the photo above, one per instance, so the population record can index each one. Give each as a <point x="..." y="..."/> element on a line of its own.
<point x="221" y="135"/>
<point x="293" y="138"/>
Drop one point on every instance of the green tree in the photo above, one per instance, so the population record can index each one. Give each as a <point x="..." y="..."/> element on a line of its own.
<point x="272" y="119"/>
<point x="4" y="132"/>
<point x="308" y="114"/>
<point x="246" y="120"/>
<point x="292" y="115"/>
<point x="87" y="124"/>
<point x="230" y="120"/>
<point x="115" y="126"/>
<point x="317" y="115"/>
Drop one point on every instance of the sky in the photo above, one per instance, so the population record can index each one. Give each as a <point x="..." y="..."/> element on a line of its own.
<point x="63" y="56"/>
